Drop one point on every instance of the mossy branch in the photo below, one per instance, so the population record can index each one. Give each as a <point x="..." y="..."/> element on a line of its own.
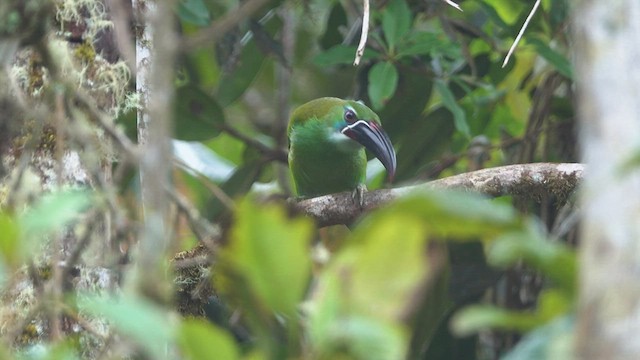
<point x="529" y="181"/>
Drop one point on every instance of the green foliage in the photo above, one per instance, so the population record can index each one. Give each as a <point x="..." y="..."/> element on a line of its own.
<point x="198" y="116"/>
<point x="396" y="22"/>
<point x="268" y="259"/>
<point x="435" y="76"/>
<point x="145" y="323"/>
<point x="52" y="211"/>
<point x="383" y="80"/>
<point x="201" y="340"/>
<point x="194" y="12"/>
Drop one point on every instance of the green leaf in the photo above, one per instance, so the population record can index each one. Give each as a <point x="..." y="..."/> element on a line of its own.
<point x="137" y="319"/>
<point x="358" y="303"/>
<point x="238" y="183"/>
<point x="552" y="341"/>
<point x="396" y="22"/>
<point x="475" y="318"/>
<point x="202" y="340"/>
<point x="373" y="289"/>
<point x="11" y="248"/>
<point x="235" y="82"/>
<point x="420" y="43"/>
<point x="449" y="101"/>
<point x="342" y="55"/>
<point x="555" y="260"/>
<point x="53" y="211"/>
<point x="267" y="262"/>
<point x="383" y="81"/>
<point x="453" y="214"/>
<point x="335" y="21"/>
<point x="556" y="59"/>
<point x="194" y="12"/>
<point x="197" y="115"/>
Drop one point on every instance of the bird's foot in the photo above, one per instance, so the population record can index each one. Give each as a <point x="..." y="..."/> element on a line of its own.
<point x="358" y="194"/>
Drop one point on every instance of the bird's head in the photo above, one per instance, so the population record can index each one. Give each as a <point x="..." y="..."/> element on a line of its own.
<point x="349" y="123"/>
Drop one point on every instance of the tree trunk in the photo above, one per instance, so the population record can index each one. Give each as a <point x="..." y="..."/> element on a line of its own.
<point x="607" y="54"/>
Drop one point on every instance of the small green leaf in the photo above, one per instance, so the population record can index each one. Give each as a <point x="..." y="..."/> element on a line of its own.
<point x="342" y="55"/>
<point x="53" y="211"/>
<point x="194" y="12"/>
<point x="197" y="115"/>
<point x="11" y="248"/>
<point x="267" y="262"/>
<point x="138" y="319"/>
<point x="475" y="318"/>
<point x="449" y="101"/>
<point x="556" y="59"/>
<point x="396" y="22"/>
<point x="202" y="340"/>
<point x="383" y="81"/>
<point x="554" y="259"/>
<point x="552" y="341"/>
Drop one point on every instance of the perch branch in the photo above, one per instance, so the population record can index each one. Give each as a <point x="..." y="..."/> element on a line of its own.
<point x="523" y="180"/>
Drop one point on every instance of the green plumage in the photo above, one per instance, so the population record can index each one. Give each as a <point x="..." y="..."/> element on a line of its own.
<point x="322" y="159"/>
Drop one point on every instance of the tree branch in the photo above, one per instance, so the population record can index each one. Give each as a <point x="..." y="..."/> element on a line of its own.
<point x="529" y="181"/>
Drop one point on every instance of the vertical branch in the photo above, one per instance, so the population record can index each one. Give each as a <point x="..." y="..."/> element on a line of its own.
<point x="284" y="74"/>
<point x="607" y="39"/>
<point x="156" y="85"/>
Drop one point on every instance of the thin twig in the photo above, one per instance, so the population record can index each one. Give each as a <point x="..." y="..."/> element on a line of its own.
<point x="363" y="34"/>
<point x="274" y="154"/>
<point x="524" y="27"/>
<point x="105" y="123"/>
<point x="214" y="188"/>
<point x="453" y="4"/>
<point x="201" y="227"/>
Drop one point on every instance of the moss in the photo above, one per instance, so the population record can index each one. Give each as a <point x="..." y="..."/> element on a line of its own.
<point x="29" y="334"/>
<point x="85" y="53"/>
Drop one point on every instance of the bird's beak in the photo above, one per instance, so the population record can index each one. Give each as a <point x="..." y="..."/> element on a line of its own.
<point x="371" y="136"/>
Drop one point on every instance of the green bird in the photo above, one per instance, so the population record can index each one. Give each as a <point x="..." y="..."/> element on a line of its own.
<point x="327" y="141"/>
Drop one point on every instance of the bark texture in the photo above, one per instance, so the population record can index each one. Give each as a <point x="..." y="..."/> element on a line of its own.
<point x="607" y="50"/>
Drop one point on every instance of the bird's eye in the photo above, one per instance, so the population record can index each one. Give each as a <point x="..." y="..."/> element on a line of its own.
<point x="350" y="116"/>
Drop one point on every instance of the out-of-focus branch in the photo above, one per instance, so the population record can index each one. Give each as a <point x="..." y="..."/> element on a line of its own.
<point x="155" y="161"/>
<point x="220" y="27"/>
<point x="522" y="180"/>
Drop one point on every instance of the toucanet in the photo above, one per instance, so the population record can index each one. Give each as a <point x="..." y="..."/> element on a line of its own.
<point x="327" y="141"/>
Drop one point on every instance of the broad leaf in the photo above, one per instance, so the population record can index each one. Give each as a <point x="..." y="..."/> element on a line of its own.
<point x="202" y="340"/>
<point x="449" y="101"/>
<point x="197" y="115"/>
<point x="267" y="261"/>
<point x="556" y="59"/>
<point x="341" y="55"/>
<point x="235" y="82"/>
<point x="194" y="12"/>
<point x="138" y="319"/>
<point x="396" y="22"/>
<point x="383" y="81"/>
